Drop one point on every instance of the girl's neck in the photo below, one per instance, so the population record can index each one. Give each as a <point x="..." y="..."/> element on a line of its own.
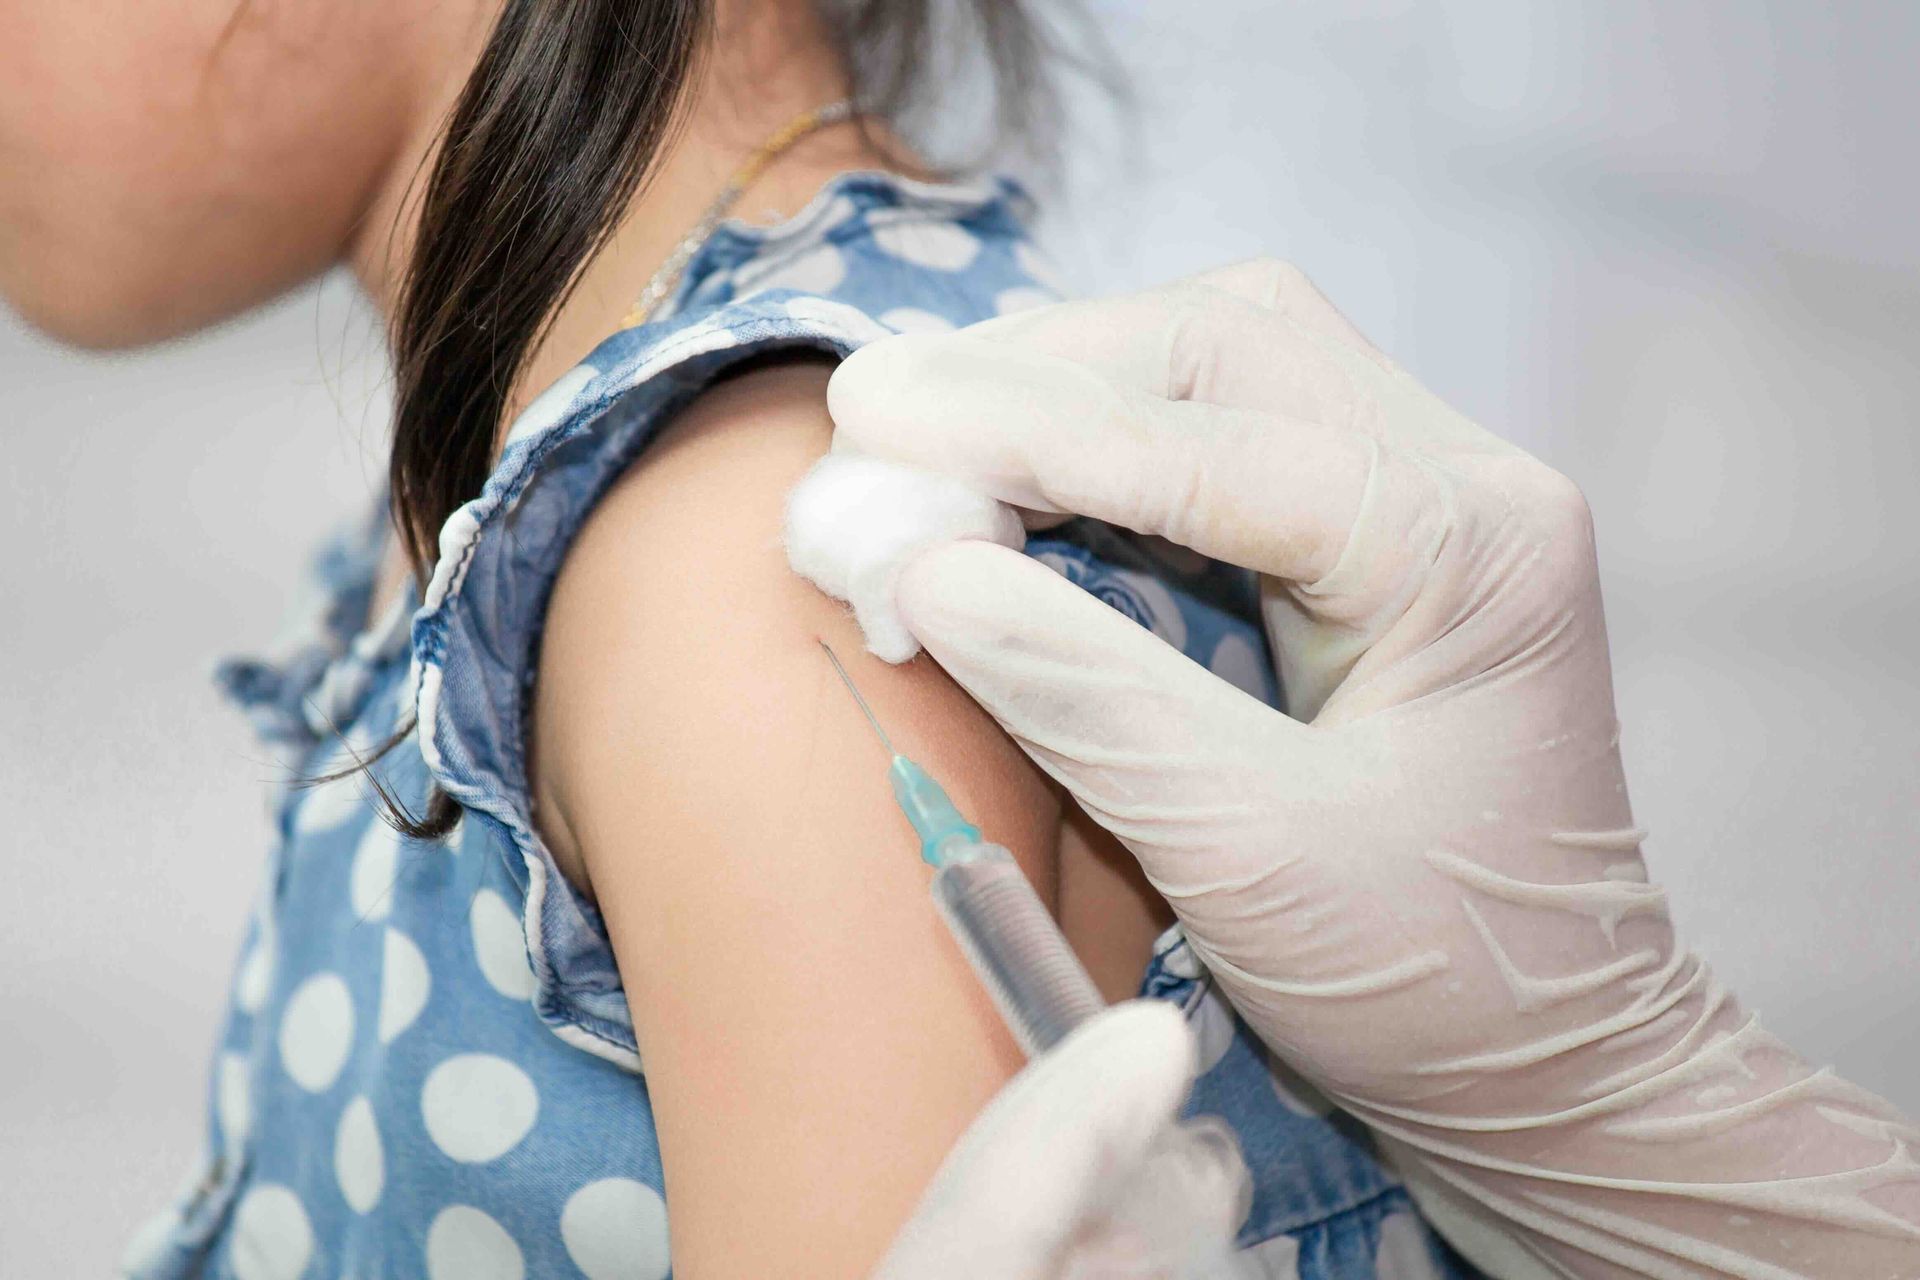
<point x="768" y="63"/>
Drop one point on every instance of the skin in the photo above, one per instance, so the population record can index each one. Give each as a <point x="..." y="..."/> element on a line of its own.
<point x="717" y="904"/>
<point x="819" y="1066"/>
<point x="166" y="166"/>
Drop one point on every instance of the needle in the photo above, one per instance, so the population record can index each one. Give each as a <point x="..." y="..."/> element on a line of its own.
<point x="847" y="680"/>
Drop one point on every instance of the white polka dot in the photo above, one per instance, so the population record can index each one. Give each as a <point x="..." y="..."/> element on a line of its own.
<point x="1277" y="1258"/>
<point x="477" y="1107"/>
<point x="465" y="1244"/>
<point x="1237" y="662"/>
<point x="149" y="1244"/>
<point x="358" y="1160"/>
<point x="500" y="946"/>
<point x="616" y="1229"/>
<point x="1213" y="1029"/>
<point x="940" y="246"/>
<point x="914" y="320"/>
<point x="1403" y="1252"/>
<point x="404" y="984"/>
<point x="316" y="1030"/>
<point x="271" y="1238"/>
<point x="1021" y="298"/>
<point x="375" y="865"/>
<point x="233" y="1098"/>
<point x="819" y="270"/>
<point x="255" y="977"/>
<point x="331" y="804"/>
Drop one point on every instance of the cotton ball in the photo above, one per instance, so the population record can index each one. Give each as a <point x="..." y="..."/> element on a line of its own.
<point x="853" y="522"/>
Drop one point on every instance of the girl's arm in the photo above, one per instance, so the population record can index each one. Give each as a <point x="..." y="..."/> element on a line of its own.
<point x="812" y="1041"/>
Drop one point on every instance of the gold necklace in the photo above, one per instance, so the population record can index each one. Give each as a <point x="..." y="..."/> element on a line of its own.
<point x="668" y="276"/>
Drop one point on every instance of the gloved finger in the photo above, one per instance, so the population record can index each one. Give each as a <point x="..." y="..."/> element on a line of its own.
<point x="1283" y="288"/>
<point x="1048" y="1151"/>
<point x="1265" y="491"/>
<point x="1099" y="702"/>
<point x="1183" y="341"/>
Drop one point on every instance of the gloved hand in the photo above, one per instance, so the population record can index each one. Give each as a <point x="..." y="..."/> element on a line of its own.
<point x="1424" y="889"/>
<point x="1025" y="1193"/>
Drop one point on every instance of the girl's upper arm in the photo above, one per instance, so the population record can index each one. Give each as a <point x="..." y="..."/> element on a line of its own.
<point x="813" y="1043"/>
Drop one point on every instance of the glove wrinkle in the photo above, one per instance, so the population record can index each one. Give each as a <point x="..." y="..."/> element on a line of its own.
<point x="1429" y="897"/>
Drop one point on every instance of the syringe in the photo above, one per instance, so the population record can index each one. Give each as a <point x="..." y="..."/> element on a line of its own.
<point x="1190" y="1196"/>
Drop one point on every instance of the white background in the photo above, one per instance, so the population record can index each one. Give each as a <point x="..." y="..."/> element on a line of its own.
<point x="1669" y="248"/>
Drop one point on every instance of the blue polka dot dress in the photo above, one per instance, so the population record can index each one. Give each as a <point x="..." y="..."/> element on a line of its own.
<point x="428" y="1068"/>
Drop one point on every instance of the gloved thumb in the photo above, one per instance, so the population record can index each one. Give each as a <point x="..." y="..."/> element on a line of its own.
<point x="1109" y="710"/>
<point x="1045" y="1156"/>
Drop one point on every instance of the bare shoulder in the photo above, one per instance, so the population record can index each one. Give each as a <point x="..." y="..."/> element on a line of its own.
<point x="677" y="595"/>
<point x="811" y="1037"/>
<point x="670" y="577"/>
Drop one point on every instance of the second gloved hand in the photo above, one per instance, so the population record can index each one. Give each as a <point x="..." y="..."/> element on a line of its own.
<point x="1424" y="888"/>
<point x="1038" y="1186"/>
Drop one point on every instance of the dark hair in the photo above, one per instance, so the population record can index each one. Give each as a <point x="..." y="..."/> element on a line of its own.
<point x="555" y="131"/>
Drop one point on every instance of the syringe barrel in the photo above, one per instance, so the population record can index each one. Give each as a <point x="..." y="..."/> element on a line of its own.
<point x="1185" y="1202"/>
<point x="1022" y="958"/>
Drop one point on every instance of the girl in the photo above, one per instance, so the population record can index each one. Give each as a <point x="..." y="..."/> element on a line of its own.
<point x="599" y="926"/>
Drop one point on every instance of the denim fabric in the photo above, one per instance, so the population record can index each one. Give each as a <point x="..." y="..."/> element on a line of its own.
<point x="429" y="1067"/>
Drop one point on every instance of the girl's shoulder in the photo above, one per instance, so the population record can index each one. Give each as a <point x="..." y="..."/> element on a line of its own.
<point x="871" y="255"/>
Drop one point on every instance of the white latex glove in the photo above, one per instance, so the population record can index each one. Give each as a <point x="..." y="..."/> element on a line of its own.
<point x="1425" y="890"/>
<point x="1025" y="1194"/>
